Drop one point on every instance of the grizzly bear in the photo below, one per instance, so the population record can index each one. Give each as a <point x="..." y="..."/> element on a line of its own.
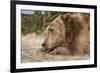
<point x="68" y="34"/>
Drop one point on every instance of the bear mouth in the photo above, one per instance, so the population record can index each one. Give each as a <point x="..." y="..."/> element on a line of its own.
<point x="48" y="50"/>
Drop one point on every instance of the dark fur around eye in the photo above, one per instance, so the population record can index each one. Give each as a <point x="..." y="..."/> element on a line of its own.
<point x="51" y="30"/>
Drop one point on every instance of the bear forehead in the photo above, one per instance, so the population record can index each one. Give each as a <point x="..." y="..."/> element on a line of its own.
<point x="57" y="22"/>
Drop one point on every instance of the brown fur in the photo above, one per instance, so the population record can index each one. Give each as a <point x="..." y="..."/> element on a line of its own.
<point x="68" y="34"/>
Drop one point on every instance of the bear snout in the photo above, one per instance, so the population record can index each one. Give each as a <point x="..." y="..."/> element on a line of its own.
<point x="44" y="45"/>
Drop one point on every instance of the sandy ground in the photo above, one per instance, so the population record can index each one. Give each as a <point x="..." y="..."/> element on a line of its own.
<point x="31" y="51"/>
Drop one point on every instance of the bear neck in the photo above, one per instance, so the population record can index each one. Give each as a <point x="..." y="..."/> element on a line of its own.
<point x="65" y="43"/>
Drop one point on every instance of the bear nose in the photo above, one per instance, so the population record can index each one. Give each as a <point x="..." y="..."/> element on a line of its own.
<point x="44" y="45"/>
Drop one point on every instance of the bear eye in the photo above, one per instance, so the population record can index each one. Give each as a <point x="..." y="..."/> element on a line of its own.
<point x="51" y="30"/>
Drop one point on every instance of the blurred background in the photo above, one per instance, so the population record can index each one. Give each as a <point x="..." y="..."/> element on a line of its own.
<point x="36" y="21"/>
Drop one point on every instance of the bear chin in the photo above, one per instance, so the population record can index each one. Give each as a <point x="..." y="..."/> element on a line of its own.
<point x="60" y="51"/>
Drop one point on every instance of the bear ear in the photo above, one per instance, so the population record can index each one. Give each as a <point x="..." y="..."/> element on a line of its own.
<point x="66" y="17"/>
